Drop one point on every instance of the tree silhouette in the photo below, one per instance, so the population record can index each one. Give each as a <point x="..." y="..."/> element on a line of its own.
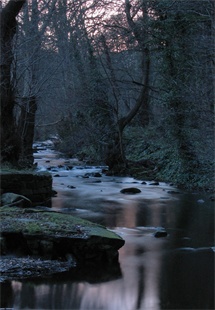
<point x="10" y="141"/>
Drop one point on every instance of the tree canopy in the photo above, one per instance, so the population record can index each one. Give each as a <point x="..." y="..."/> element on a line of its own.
<point x="116" y="81"/>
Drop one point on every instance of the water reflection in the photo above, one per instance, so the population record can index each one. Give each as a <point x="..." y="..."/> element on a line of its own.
<point x="176" y="272"/>
<point x="141" y="260"/>
<point x="188" y="279"/>
<point x="156" y="273"/>
<point x="138" y="289"/>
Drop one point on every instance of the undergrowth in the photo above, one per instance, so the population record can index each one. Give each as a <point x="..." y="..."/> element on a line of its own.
<point x="188" y="173"/>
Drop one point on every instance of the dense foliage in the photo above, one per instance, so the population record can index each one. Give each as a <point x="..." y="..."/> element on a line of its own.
<point x="123" y="82"/>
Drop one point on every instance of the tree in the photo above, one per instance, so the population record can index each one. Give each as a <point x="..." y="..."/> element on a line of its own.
<point x="96" y="72"/>
<point x="182" y="69"/>
<point x="139" y="31"/>
<point x="29" y="76"/>
<point x="10" y="142"/>
<point x="25" y="79"/>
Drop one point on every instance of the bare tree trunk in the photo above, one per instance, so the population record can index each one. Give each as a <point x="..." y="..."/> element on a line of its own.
<point x="116" y="154"/>
<point x="10" y="141"/>
<point x="26" y="129"/>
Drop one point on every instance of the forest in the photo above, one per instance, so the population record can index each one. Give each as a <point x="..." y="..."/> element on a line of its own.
<point x="129" y="83"/>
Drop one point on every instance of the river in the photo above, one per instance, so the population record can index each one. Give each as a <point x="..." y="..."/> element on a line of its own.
<point x="173" y="272"/>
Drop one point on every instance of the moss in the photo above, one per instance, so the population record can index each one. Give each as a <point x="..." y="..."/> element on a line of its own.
<point x="7" y="168"/>
<point x="13" y="171"/>
<point x="49" y="223"/>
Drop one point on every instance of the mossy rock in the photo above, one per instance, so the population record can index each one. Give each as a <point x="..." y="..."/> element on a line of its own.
<point x="52" y="234"/>
<point x="35" y="185"/>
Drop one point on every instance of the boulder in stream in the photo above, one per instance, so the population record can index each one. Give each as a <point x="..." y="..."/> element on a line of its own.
<point x="154" y="183"/>
<point x="160" y="233"/>
<point x="130" y="190"/>
<point x="54" y="235"/>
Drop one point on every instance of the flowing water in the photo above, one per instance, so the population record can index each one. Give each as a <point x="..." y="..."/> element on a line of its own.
<point x="173" y="272"/>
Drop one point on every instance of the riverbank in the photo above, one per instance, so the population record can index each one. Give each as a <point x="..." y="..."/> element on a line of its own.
<point x="191" y="170"/>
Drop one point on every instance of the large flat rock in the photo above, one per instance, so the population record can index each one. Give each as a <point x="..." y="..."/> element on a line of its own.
<point x="49" y="234"/>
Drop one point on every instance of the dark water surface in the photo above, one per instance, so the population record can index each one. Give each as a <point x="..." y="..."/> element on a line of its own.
<point x="175" y="272"/>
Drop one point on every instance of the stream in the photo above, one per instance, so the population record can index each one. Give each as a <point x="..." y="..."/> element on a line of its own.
<point x="172" y="272"/>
